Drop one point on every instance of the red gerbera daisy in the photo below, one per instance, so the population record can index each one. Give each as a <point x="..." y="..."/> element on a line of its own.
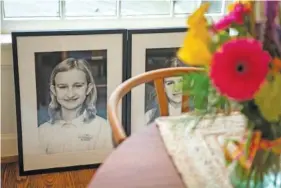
<point x="239" y="68"/>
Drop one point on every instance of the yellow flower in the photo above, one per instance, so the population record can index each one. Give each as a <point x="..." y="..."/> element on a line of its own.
<point x="198" y="19"/>
<point x="268" y="99"/>
<point x="194" y="52"/>
<point x="195" y="49"/>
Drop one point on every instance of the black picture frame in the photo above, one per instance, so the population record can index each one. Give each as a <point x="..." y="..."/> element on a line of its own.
<point x="22" y="37"/>
<point x="165" y="32"/>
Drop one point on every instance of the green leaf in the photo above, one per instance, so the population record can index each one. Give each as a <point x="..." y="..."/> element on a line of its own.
<point x="223" y="37"/>
<point x="242" y="30"/>
<point x="213" y="47"/>
<point x="268" y="99"/>
<point x="196" y="86"/>
<point x="219" y="40"/>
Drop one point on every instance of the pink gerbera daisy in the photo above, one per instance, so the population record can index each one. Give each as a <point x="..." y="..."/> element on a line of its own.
<point x="234" y="17"/>
<point x="239" y="68"/>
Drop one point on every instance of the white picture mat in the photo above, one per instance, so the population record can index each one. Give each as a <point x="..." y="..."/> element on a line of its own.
<point x="27" y="46"/>
<point x="141" y="42"/>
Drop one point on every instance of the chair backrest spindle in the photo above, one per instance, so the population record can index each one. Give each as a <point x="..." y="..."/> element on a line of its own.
<point x="185" y="103"/>
<point x="161" y="96"/>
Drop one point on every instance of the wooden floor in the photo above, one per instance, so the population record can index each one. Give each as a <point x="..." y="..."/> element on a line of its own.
<point x="73" y="179"/>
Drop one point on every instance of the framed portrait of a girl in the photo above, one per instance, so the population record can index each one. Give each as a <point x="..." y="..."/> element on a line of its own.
<point x="153" y="49"/>
<point x="62" y="81"/>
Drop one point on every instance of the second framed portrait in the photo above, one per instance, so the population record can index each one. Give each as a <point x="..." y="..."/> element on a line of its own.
<point x="150" y="50"/>
<point x="63" y="80"/>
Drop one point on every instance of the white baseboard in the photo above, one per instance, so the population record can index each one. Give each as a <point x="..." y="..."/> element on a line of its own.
<point x="9" y="145"/>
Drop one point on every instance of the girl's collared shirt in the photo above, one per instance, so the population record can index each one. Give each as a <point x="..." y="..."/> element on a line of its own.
<point x="75" y="135"/>
<point x="173" y="111"/>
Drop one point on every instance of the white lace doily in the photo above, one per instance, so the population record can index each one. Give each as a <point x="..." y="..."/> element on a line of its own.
<point x="197" y="154"/>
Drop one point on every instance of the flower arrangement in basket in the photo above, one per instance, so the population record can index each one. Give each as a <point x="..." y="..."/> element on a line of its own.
<point x="244" y="71"/>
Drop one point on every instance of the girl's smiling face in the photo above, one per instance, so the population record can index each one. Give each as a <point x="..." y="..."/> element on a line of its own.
<point x="71" y="89"/>
<point x="173" y="86"/>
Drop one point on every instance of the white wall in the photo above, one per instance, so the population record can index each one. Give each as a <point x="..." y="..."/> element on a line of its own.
<point x="8" y="109"/>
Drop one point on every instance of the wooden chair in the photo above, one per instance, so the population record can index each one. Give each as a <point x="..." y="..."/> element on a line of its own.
<point x="157" y="76"/>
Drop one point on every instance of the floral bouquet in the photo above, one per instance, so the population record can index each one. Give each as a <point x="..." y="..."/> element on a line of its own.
<point x="240" y="73"/>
